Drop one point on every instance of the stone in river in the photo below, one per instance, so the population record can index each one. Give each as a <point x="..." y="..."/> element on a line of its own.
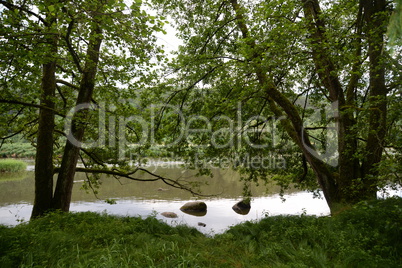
<point x="243" y="207"/>
<point x="195" y="208"/>
<point x="169" y="214"/>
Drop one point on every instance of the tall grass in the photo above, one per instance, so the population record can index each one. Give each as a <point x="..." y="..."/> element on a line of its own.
<point x="369" y="235"/>
<point x="12" y="165"/>
<point x="366" y="236"/>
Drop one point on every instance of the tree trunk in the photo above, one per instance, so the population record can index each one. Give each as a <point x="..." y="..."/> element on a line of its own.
<point x="44" y="150"/>
<point x="348" y="163"/>
<point x="376" y="23"/>
<point x="341" y="185"/>
<point x="353" y="183"/>
<point x="64" y="186"/>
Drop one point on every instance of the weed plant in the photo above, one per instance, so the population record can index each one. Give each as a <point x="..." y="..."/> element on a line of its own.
<point x="368" y="235"/>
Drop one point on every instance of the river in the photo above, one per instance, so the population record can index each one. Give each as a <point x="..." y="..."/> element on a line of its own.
<point x="133" y="198"/>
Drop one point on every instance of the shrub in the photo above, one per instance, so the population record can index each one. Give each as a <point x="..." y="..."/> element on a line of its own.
<point x="18" y="149"/>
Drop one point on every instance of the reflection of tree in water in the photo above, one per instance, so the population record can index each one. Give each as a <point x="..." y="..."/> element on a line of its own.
<point x="13" y="176"/>
<point x="225" y="183"/>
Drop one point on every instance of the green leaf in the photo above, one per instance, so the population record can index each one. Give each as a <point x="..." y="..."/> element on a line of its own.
<point x="51" y="8"/>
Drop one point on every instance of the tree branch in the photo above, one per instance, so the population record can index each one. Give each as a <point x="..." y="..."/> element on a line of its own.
<point x="10" y="136"/>
<point x="129" y="175"/>
<point x="70" y="47"/>
<point x="322" y="60"/>
<point x="293" y="124"/>
<point x="59" y="81"/>
<point x="355" y="74"/>
<point x="160" y="115"/>
<point x="31" y="105"/>
<point x="14" y="7"/>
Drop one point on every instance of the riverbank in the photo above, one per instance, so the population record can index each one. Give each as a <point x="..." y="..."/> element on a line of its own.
<point x="366" y="236"/>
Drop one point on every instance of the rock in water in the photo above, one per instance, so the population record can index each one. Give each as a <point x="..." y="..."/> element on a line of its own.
<point x="169" y="214"/>
<point x="243" y="207"/>
<point x="195" y="208"/>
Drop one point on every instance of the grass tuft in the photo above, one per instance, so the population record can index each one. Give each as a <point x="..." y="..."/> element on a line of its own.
<point x="12" y="165"/>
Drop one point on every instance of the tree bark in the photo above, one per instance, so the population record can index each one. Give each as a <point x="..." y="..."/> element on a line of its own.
<point x="64" y="186"/>
<point x="356" y="182"/>
<point x="348" y="164"/>
<point x="44" y="150"/>
<point x="293" y="124"/>
<point x="342" y="185"/>
<point x="376" y="23"/>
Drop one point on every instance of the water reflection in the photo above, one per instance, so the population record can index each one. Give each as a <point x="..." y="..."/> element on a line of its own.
<point x="16" y="206"/>
<point x="219" y="217"/>
<point x="195" y="213"/>
<point x="224" y="183"/>
<point x="154" y="198"/>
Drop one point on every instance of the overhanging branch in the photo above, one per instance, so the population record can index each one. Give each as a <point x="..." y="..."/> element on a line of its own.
<point x="129" y="175"/>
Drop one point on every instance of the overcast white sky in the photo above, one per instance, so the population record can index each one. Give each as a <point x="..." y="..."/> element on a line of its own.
<point x="169" y="40"/>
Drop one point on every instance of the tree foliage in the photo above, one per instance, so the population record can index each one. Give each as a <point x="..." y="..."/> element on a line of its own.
<point x="395" y="24"/>
<point x="304" y="81"/>
<point x="78" y="63"/>
<point x="302" y="91"/>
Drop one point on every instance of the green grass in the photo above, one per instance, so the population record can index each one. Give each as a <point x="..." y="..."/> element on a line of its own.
<point x="366" y="236"/>
<point x="12" y="165"/>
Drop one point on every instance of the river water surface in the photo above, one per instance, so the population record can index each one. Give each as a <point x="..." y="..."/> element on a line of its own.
<point x="133" y="198"/>
<point x="143" y="199"/>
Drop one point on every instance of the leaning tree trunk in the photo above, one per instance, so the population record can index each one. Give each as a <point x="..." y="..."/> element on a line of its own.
<point x="44" y="143"/>
<point x="64" y="186"/>
<point x="293" y="125"/>
<point x="342" y="185"/>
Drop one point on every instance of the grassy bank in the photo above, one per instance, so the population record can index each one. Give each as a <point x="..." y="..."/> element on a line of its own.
<point x="12" y="165"/>
<point x="366" y="236"/>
